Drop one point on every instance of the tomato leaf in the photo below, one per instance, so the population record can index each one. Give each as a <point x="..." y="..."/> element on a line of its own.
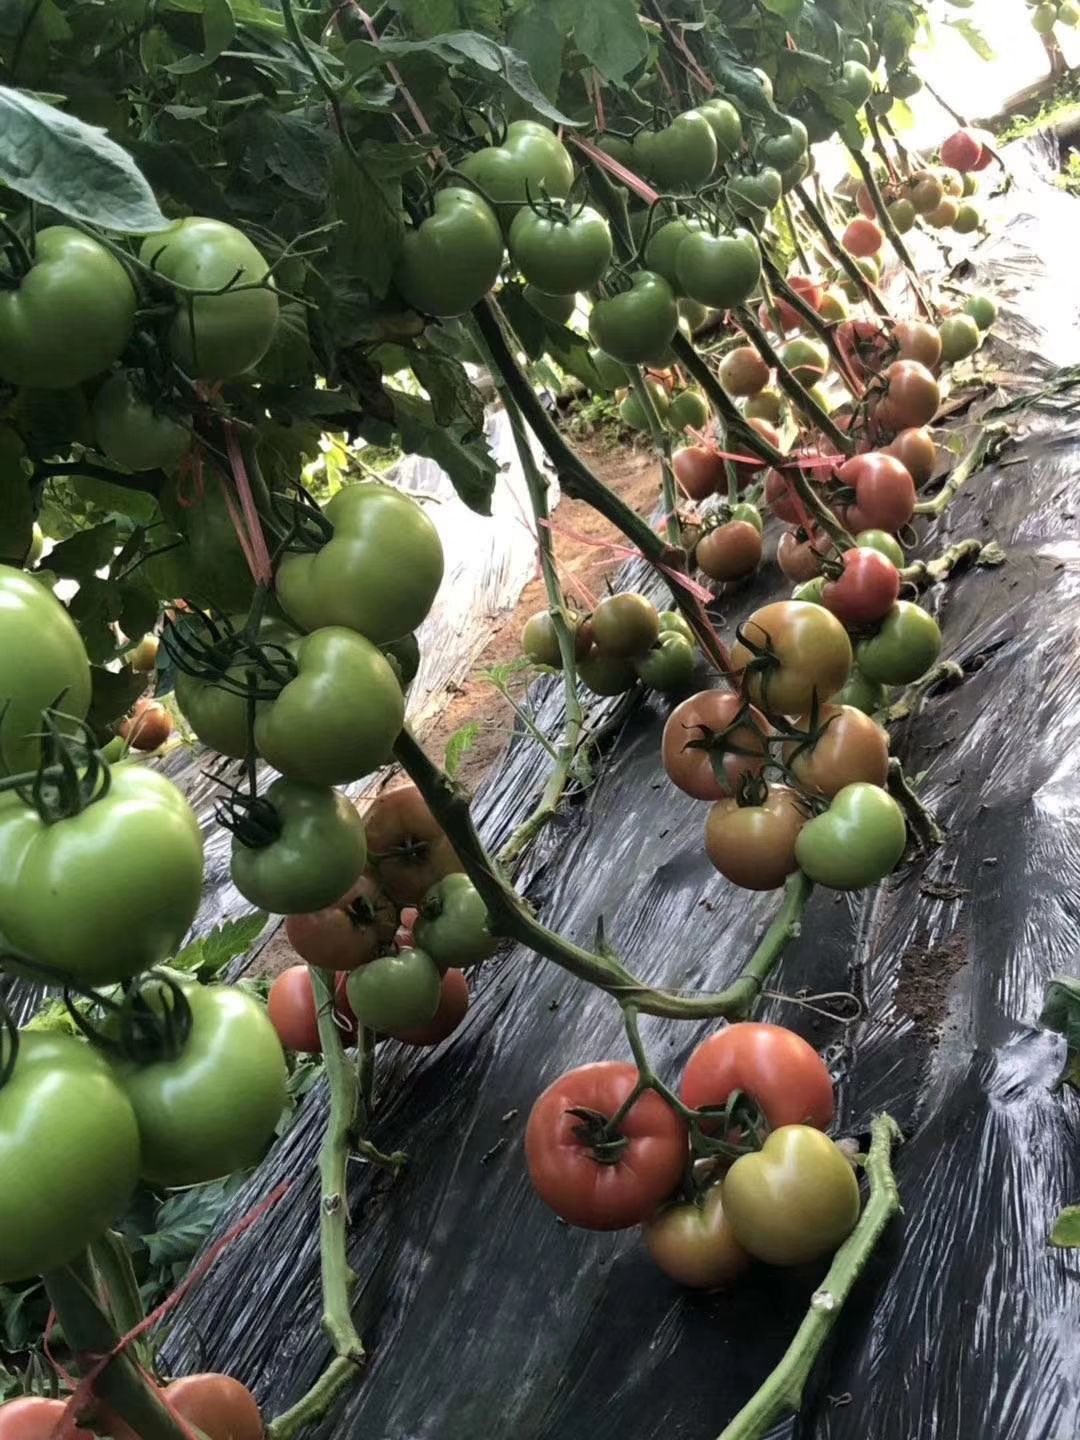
<point x="458" y="746"/>
<point x="219" y="28"/>
<point x="609" y="35"/>
<point x="186" y="1220"/>
<point x="452" y="393"/>
<point x="1066" y="1231"/>
<point x="75" y="168"/>
<point x="89" y="550"/>
<point x="974" y="37"/>
<point x="368" y="205"/>
<point x="209" y="955"/>
<point x="788" y="10"/>
<point x="467" y="460"/>
<point x="113" y="694"/>
<point x="535" y="32"/>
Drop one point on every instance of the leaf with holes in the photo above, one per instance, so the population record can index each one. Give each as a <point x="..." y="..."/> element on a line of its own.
<point x="56" y="160"/>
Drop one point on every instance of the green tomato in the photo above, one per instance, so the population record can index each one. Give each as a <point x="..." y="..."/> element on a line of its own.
<point x="632" y="412"/>
<point x="395" y="992"/>
<point x="452" y="259"/>
<point x="404" y="658"/>
<point x="607" y="674"/>
<point x="882" y="541"/>
<point x="688" y="409"/>
<point x="719" y="270"/>
<point x="861" y="693"/>
<point x="767" y="405"/>
<point x="530" y="163"/>
<point x="131" y="432"/>
<point x="904" y="84"/>
<point x="794" y="174"/>
<point x="857" y="50"/>
<point x="968" y="219"/>
<point x="453" y="927"/>
<point x="223" y="335"/>
<point x="211" y="1108"/>
<point x="338" y="718"/>
<point x="312" y="849"/>
<point x="794" y="1200"/>
<point x="69" y="317"/>
<point x="669" y="665"/>
<point x="833" y="306"/>
<point x="69" y="1154"/>
<point x="726" y="126"/>
<point x="959" y="338"/>
<point x="982" y="309"/>
<point x="611" y="373"/>
<point x="1068" y="13"/>
<point x="674" y="622"/>
<point x="217" y="715"/>
<point x="905" y="646"/>
<point x="43" y="663"/>
<point x="379" y="572"/>
<point x="561" y="256"/>
<point x="855" y="84"/>
<point x="105" y="893"/>
<point x="750" y="514"/>
<point x="755" y="196"/>
<point x="681" y="157"/>
<point x="619" y="149"/>
<point x="664" y="244"/>
<point x="556" y="308"/>
<point x="786" y="149"/>
<point x="811" y="590"/>
<point x="857" y="842"/>
<point x="636" y="325"/>
<point x="808" y="360"/>
<point x="902" y="214"/>
<point x="1043" y="19"/>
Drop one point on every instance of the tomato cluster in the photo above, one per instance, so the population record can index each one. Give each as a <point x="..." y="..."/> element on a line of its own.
<point x="624" y="640"/>
<point x="737" y="1169"/>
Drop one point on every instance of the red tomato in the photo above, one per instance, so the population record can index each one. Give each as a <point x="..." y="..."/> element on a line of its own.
<point x="149" y="726"/>
<point x="962" y="151"/>
<point x="737" y="731"/>
<point x="291" y="1007"/>
<point x="777" y="1068"/>
<point x="800" y="554"/>
<point x="32" y="1417"/>
<point x="884" y="492"/>
<point x="406" y="845"/>
<point x="911" y="397"/>
<point x="865" y="592"/>
<point x="743" y="372"/>
<point x="863" y="237"/>
<point x="218" y="1405"/>
<point x="561" y="1148"/>
<point x="453" y="1004"/>
<point x="915" y="340"/>
<point x="916" y="451"/>
<point x="699" y="471"/>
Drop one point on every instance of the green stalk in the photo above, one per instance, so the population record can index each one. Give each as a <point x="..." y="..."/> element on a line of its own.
<point x="90" y="1332"/>
<point x="796" y="392"/>
<point x="120" y="1289"/>
<point x="782" y="1392"/>
<point x="508" y="916"/>
<point x="870" y="292"/>
<point x="922" y="824"/>
<point x="866" y="170"/>
<point x="661" y="438"/>
<point x="963" y="552"/>
<point x="986" y="446"/>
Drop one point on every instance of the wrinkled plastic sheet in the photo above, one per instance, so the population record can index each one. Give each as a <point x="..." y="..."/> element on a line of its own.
<point x="485" y="1317"/>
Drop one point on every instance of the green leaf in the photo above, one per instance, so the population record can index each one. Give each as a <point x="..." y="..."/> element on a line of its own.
<point x="474" y="51"/>
<point x="89" y="550"/>
<point x="95" y="607"/>
<point x="208" y="956"/>
<point x="467" y="460"/>
<point x="425" y="18"/>
<point x="219" y="28"/>
<point x="1066" y="1231"/>
<point x="56" y="160"/>
<point x="534" y="32"/>
<point x="172" y="171"/>
<point x="16" y="500"/>
<point x="974" y="37"/>
<point x="528" y="324"/>
<point x="113" y="694"/>
<point x="138" y="607"/>
<point x="458" y="746"/>
<point x="1061" y="1012"/>
<point x="788" y="10"/>
<point x="453" y="395"/>
<point x="368" y="240"/>
<point x="609" y="35"/>
<point x="571" y="352"/>
<point x="187" y="1218"/>
<point x="291" y="148"/>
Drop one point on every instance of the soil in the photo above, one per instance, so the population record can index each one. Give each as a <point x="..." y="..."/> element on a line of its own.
<point x="925" y="973"/>
<point x="635" y="477"/>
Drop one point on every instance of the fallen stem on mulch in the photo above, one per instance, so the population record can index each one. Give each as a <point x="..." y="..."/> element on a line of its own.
<point x="923" y="825"/>
<point x="945" y="672"/>
<point x="782" y="1392"/>
<point x="509" y="916"/>
<point x="963" y="552"/>
<point x="987" y="446"/>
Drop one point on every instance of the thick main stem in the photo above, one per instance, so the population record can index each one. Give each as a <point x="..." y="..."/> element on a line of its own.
<point x="869" y="292"/>
<point x="90" y="1332"/>
<point x="782" y="1392"/>
<point x="580" y="483"/>
<point x="508" y="916"/>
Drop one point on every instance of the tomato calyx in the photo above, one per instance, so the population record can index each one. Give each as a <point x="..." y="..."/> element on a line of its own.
<point x="718" y="744"/>
<point x="600" y="1133"/>
<point x="724" y="1132"/>
<point x="253" y="819"/>
<point x="209" y="649"/>
<point x="152" y="1022"/>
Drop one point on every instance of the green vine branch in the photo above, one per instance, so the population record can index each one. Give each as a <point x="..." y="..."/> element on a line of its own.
<point x="987" y="446"/>
<point x="782" y="1392"/>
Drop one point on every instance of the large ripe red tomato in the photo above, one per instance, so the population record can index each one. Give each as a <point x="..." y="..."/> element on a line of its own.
<point x="699" y="470"/>
<point x="800" y="554"/>
<point x="32" y="1417"/>
<point x="737" y="734"/>
<point x="291" y="1007"/>
<point x="884" y="492"/>
<point x="916" y="451"/>
<point x="592" y="1176"/>
<point x="863" y="237"/>
<point x="865" y="592"/>
<point x="962" y="151"/>
<point x="911" y="397"/>
<point x="775" y="1067"/>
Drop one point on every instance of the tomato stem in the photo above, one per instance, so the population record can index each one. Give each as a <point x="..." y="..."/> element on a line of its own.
<point x="796" y="392"/>
<point x="870" y="292"/>
<point x="782" y="1392"/>
<point x="987" y="446"/>
<point x="866" y="170"/>
<point x="927" y="832"/>
<point x="661" y="438"/>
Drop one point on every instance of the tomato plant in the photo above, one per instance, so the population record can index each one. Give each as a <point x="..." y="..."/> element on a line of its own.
<point x="912" y="396"/>
<point x="743" y="372"/>
<point x="453" y="924"/>
<point x="842" y="745"/>
<point x="866" y="590"/>
<point x="681" y="156"/>
<point x="218" y="1405"/>
<point x="591" y="1172"/>
<point x="636" y="325"/>
<point x="793" y="1201"/>
<point x="718" y="270"/>
<point x="528" y="163"/>
<point x="624" y="625"/>
<point x="33" y="1417"/>
<point x="670" y="664"/>
<point x="730" y="551"/>
<point x="131" y="432"/>
<point x="907" y="643"/>
<point x="699" y="470"/>
<point x="451" y="1011"/>
<point x="294" y="1014"/>
<point x="884" y="492"/>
